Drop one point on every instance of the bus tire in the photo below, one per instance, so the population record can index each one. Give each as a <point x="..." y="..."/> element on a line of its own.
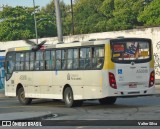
<point x="107" y="100"/>
<point x="21" y="97"/>
<point x="69" y="100"/>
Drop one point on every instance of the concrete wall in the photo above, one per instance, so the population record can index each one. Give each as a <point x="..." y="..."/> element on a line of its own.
<point x="152" y="33"/>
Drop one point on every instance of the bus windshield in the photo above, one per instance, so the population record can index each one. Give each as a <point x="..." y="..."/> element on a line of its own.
<point x="131" y="50"/>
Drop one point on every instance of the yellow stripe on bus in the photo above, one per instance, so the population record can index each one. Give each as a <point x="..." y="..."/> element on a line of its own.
<point x="22" y="48"/>
<point x="101" y="82"/>
<point x="108" y="64"/>
<point x="152" y="62"/>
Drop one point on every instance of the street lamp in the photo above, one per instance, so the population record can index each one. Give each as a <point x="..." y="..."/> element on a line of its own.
<point x="35" y="22"/>
<point x="2" y="6"/>
<point x="147" y="1"/>
<point x="1" y="9"/>
<point x="41" y="19"/>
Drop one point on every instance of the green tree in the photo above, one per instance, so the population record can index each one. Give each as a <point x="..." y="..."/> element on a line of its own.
<point x="106" y="9"/>
<point x="17" y="23"/>
<point x="106" y="15"/>
<point x="87" y="14"/>
<point x="49" y="9"/>
<point x="125" y="14"/>
<point x="46" y="25"/>
<point x="150" y="16"/>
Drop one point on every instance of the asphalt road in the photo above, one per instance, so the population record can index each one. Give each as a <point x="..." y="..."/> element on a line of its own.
<point x="124" y="108"/>
<point x="139" y="108"/>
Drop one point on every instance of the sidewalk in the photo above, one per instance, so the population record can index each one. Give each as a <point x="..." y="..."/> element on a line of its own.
<point x="158" y="89"/>
<point x="2" y="93"/>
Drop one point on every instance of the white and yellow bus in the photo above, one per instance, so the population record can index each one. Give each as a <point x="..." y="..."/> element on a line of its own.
<point x="99" y="69"/>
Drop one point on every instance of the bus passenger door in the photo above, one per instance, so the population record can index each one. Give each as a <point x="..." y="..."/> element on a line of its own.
<point x="9" y="68"/>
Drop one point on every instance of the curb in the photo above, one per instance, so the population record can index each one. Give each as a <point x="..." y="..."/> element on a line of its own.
<point x="22" y="116"/>
<point x="47" y="116"/>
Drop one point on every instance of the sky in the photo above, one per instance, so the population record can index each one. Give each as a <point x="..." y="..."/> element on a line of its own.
<point x="28" y="3"/>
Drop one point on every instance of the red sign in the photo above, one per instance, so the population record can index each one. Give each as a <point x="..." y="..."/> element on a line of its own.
<point x="118" y="48"/>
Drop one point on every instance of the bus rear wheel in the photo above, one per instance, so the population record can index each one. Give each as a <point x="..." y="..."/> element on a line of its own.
<point x="21" y="97"/>
<point x="107" y="100"/>
<point x="69" y="100"/>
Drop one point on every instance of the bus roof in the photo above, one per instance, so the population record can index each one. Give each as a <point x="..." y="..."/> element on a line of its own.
<point x="74" y="44"/>
<point x="64" y="45"/>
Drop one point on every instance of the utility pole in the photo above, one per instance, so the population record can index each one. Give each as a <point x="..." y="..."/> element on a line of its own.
<point x="58" y="21"/>
<point x="72" y="17"/>
<point x="35" y="22"/>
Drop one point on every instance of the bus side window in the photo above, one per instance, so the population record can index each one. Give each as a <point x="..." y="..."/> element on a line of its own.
<point x="93" y="58"/>
<point x="98" y="57"/>
<point x="88" y="58"/>
<point x="70" y="59"/>
<point x="19" y="61"/>
<point x="39" y="63"/>
<point x="41" y="60"/>
<point x="58" y="59"/>
<point x="10" y="67"/>
<point x="82" y="58"/>
<point x="32" y="60"/>
<point x="76" y="58"/>
<point x="85" y="58"/>
<point x="27" y="61"/>
<point x="64" y="60"/>
<point x="53" y="59"/>
<point x="47" y="60"/>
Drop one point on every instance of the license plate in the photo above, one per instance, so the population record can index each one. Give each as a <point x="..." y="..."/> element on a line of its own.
<point x="132" y="85"/>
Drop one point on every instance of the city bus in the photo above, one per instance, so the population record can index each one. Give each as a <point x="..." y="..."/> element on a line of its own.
<point x="103" y="70"/>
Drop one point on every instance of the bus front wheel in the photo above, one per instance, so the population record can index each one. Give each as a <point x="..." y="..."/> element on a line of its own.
<point x="21" y="97"/>
<point x="107" y="100"/>
<point x="69" y="100"/>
